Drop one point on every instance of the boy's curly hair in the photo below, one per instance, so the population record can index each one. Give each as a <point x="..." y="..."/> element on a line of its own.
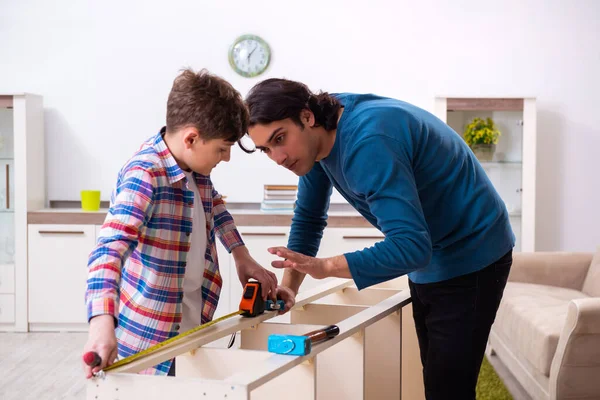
<point x="208" y="103"/>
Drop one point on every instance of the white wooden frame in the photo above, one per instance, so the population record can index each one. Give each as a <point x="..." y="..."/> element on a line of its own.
<point x="363" y="361"/>
<point x="30" y="190"/>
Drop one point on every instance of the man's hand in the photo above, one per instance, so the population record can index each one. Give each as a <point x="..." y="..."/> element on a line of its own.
<point x="318" y="268"/>
<point x="102" y="340"/>
<point x="288" y="296"/>
<point x="248" y="268"/>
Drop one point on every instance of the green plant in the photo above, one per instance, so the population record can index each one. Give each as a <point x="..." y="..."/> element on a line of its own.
<point x="481" y="131"/>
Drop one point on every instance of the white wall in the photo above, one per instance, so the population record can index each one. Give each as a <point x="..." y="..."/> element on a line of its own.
<point x="105" y="69"/>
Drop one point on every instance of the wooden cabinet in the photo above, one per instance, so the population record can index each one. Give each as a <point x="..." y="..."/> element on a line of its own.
<point x="58" y="256"/>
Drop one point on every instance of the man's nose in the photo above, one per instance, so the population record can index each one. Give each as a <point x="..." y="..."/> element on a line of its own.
<point x="278" y="156"/>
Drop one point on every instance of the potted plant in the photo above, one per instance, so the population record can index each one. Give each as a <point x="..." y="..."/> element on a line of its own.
<point x="482" y="136"/>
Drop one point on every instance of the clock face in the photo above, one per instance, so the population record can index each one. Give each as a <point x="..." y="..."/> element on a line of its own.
<point x="249" y="55"/>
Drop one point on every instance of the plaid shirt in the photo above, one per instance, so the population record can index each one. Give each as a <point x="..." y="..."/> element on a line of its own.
<point x="137" y="268"/>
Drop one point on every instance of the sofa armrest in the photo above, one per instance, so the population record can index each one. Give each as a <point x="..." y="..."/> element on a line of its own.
<point x="575" y="367"/>
<point x="562" y="269"/>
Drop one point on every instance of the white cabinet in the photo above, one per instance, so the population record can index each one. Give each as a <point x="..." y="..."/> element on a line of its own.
<point x="58" y="257"/>
<point x="512" y="168"/>
<point x="22" y="188"/>
<point x="258" y="239"/>
<point x="7" y="293"/>
<point x="337" y="241"/>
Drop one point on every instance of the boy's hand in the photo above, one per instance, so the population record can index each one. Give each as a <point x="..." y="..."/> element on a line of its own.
<point x="288" y="296"/>
<point x="248" y="268"/>
<point x="102" y="340"/>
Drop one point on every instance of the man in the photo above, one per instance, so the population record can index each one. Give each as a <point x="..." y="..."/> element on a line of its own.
<point x="411" y="176"/>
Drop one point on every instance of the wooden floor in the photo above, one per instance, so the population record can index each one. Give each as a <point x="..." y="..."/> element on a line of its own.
<point x="41" y="366"/>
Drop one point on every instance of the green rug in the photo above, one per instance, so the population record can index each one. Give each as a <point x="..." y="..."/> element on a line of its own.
<point x="489" y="385"/>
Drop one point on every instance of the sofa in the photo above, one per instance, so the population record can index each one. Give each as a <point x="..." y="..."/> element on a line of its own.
<point x="547" y="329"/>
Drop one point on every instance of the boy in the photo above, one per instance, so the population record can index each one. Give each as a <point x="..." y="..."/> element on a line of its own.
<point x="154" y="271"/>
<point x="416" y="180"/>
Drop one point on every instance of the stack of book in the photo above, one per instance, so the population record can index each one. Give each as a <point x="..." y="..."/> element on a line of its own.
<point x="279" y="198"/>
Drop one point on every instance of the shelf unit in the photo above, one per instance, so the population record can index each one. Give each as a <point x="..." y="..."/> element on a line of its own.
<point x="513" y="168"/>
<point x="22" y="189"/>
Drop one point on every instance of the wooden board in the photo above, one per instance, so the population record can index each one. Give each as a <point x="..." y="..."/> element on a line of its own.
<point x="484" y="104"/>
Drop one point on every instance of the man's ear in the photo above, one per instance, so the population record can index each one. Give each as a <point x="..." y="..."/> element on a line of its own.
<point x="307" y="118"/>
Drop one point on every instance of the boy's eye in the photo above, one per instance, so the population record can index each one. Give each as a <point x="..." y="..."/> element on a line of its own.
<point x="279" y="139"/>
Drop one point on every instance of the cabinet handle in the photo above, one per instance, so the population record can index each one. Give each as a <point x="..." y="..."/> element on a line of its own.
<point x="7" y="187"/>
<point x="61" y="232"/>
<point x="263" y="234"/>
<point x="363" y="237"/>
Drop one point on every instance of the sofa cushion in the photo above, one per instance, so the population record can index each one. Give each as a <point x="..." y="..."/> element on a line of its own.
<point x="530" y="319"/>
<point x="591" y="285"/>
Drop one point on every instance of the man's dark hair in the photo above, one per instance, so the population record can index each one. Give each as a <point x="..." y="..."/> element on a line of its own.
<point x="208" y="103"/>
<point x="276" y="99"/>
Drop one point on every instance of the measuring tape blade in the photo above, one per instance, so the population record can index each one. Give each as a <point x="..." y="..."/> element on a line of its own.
<point x="174" y="339"/>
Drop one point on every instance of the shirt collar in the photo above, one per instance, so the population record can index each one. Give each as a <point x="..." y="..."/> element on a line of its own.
<point x="174" y="172"/>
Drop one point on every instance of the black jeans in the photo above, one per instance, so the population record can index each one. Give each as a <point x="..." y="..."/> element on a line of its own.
<point x="453" y="320"/>
<point x="172" y="369"/>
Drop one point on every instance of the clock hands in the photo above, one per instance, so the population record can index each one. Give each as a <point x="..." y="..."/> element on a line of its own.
<point x="250" y="54"/>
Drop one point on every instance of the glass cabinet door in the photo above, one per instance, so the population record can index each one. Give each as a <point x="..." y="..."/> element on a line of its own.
<point x="502" y="161"/>
<point x="7" y="188"/>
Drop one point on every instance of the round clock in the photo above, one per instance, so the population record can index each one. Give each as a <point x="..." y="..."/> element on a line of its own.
<point x="249" y="55"/>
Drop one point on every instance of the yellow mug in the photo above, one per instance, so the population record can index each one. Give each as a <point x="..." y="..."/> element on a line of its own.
<point x="90" y="200"/>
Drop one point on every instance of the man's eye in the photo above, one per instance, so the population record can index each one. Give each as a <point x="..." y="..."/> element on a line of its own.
<point x="279" y="139"/>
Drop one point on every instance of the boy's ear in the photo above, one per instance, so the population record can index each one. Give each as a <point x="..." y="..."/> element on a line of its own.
<point x="190" y="136"/>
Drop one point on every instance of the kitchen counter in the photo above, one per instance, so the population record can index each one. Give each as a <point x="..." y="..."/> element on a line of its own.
<point x="242" y="217"/>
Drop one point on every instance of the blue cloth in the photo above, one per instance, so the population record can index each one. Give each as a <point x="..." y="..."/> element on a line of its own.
<point x="416" y="180"/>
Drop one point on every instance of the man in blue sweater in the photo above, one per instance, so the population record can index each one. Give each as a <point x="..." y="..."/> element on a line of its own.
<point x="412" y="177"/>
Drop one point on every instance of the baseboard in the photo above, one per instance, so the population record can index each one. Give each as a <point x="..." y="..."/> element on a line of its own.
<point x="71" y="327"/>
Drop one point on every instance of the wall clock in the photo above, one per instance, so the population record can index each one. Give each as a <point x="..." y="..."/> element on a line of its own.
<point x="249" y="55"/>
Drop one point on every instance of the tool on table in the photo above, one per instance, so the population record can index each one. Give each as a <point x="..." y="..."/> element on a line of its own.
<point x="297" y="345"/>
<point x="251" y="305"/>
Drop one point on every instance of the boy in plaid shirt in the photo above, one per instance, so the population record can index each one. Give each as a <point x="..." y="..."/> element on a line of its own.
<point x="154" y="271"/>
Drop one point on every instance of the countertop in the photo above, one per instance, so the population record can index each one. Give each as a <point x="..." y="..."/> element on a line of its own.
<point x="242" y="216"/>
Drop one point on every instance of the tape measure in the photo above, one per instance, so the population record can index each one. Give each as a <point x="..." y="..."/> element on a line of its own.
<point x="251" y="305"/>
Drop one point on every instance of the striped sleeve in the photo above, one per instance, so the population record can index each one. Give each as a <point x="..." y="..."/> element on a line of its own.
<point x="130" y="210"/>
<point x="224" y="224"/>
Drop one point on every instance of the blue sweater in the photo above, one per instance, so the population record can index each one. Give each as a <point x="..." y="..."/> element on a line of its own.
<point x="415" y="179"/>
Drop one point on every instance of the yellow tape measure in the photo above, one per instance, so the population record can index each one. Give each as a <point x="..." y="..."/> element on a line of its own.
<point x="154" y="348"/>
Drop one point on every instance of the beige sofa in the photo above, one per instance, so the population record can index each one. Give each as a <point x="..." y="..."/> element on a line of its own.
<point x="547" y="330"/>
